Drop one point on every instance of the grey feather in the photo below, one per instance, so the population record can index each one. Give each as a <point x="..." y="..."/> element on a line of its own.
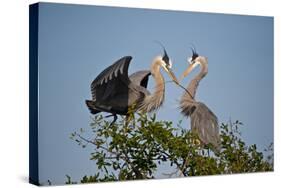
<point x="203" y="122"/>
<point x="140" y="78"/>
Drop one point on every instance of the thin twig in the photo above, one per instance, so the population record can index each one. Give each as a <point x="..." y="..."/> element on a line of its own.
<point x="177" y="164"/>
<point x="126" y="158"/>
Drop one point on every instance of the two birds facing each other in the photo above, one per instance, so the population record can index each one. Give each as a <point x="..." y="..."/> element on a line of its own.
<point x="115" y="92"/>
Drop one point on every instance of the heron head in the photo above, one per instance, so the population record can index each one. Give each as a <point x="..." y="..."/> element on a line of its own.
<point x="194" y="56"/>
<point x="193" y="61"/>
<point x="166" y="63"/>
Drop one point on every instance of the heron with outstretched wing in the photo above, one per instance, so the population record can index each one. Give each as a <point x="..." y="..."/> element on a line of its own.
<point x="115" y="92"/>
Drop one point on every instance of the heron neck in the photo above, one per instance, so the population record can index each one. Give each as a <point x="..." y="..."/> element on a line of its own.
<point x="155" y="100"/>
<point x="159" y="79"/>
<point x="192" y="86"/>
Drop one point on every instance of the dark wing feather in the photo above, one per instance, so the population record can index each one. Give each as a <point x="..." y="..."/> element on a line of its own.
<point x="140" y="78"/>
<point x="116" y="74"/>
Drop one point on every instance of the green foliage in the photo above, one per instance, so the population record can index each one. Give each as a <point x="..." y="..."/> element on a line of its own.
<point x="134" y="148"/>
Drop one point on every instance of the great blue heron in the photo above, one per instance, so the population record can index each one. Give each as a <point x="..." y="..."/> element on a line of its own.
<point x="115" y="92"/>
<point x="203" y="121"/>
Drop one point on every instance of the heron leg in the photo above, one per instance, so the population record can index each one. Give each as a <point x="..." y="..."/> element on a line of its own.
<point x="114" y="118"/>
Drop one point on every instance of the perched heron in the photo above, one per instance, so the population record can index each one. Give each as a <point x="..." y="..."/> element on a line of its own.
<point x="203" y="121"/>
<point x="115" y="92"/>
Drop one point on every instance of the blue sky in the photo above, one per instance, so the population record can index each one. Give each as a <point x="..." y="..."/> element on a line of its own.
<point x="77" y="42"/>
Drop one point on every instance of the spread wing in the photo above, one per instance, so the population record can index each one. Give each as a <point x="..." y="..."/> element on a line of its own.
<point x="140" y="78"/>
<point x="112" y="80"/>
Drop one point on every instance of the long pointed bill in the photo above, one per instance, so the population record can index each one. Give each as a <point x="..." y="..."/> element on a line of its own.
<point x="188" y="70"/>
<point x="172" y="75"/>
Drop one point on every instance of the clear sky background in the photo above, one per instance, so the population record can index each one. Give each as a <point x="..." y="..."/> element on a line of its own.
<point x="77" y="42"/>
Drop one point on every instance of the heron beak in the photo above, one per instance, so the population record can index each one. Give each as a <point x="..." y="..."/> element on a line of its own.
<point x="172" y="75"/>
<point x="188" y="70"/>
